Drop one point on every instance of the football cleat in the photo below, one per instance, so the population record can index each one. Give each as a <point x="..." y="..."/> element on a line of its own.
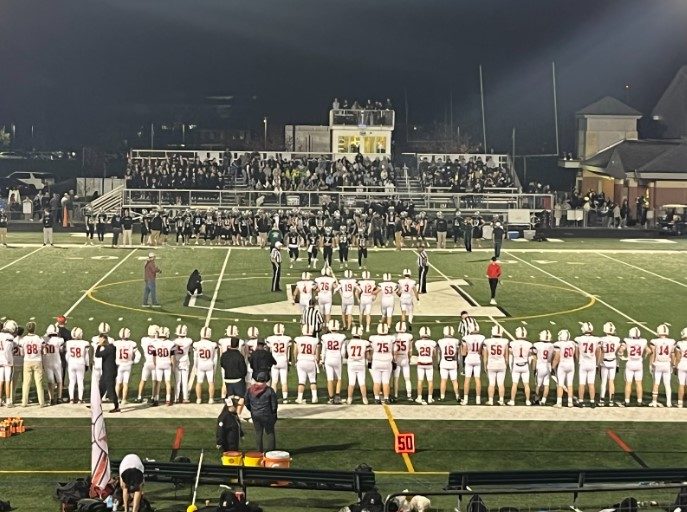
<point x="663" y="330"/>
<point x="401" y="327"/>
<point x="496" y="331"/>
<point x="104" y="328"/>
<point x="635" y="333"/>
<point x="334" y="325"/>
<point x="564" y="335"/>
<point x="545" y="335"/>
<point x="77" y="333"/>
<point x="278" y="329"/>
<point x="205" y="333"/>
<point x="609" y="328"/>
<point x="449" y="331"/>
<point x="382" y="329"/>
<point x="253" y="332"/>
<point x="181" y="331"/>
<point x="153" y="331"/>
<point x="521" y="333"/>
<point x="587" y="328"/>
<point x="425" y="332"/>
<point x="124" y="333"/>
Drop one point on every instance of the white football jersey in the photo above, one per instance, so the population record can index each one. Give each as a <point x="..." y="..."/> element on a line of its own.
<point x="306" y="347"/>
<point x="425" y="351"/>
<point x="544" y="351"/>
<point x="356" y="349"/>
<point x="367" y="289"/>
<point x="663" y="349"/>
<point x="6" y="349"/>
<point x="448" y="350"/>
<point x="586" y="346"/>
<point x="52" y="349"/>
<point x="305" y="289"/>
<point x="473" y="344"/>
<point x="148" y="349"/>
<point x="325" y="288"/>
<point x="205" y="354"/>
<point x="32" y="347"/>
<point x="520" y="351"/>
<point x="403" y="342"/>
<point x="388" y="291"/>
<point x="347" y="289"/>
<point x="609" y="347"/>
<point x="279" y="346"/>
<point x="635" y="348"/>
<point x="382" y="347"/>
<point x="182" y="350"/>
<point x="125" y="351"/>
<point x="496" y="350"/>
<point x="333" y="346"/>
<point x="77" y="352"/>
<point x="406" y="287"/>
<point x="164" y="352"/>
<point x="566" y="349"/>
<point x="682" y="347"/>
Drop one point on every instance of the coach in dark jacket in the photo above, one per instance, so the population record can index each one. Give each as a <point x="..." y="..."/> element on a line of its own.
<point x="228" y="428"/>
<point x="261" y="401"/>
<point x="108" y="354"/>
<point x="234" y="365"/>
<point x="261" y="360"/>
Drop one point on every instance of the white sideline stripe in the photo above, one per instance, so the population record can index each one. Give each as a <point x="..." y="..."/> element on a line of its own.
<point x="119" y="263"/>
<point x="645" y="270"/>
<point x="21" y="258"/>
<point x="219" y="283"/>
<point x="491" y="318"/>
<point x="587" y="294"/>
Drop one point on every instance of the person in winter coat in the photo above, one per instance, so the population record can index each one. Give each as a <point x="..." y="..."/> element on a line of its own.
<point x="229" y="431"/>
<point x="261" y="401"/>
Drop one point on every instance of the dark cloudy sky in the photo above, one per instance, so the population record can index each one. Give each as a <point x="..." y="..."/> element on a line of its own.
<point x="67" y="61"/>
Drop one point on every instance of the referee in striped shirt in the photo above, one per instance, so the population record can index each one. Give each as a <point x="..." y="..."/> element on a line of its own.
<point x="275" y="258"/>
<point x="423" y="267"/>
<point x="312" y="317"/>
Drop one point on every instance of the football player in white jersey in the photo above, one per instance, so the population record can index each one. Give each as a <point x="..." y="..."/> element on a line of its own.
<point x="382" y="345"/>
<point x="471" y="348"/>
<point x="182" y="364"/>
<point x="365" y="292"/>
<point x="304" y="291"/>
<point x="307" y="355"/>
<point x="520" y="350"/>
<point x="77" y="360"/>
<point x="347" y="287"/>
<point x="223" y="343"/>
<point x="52" y="363"/>
<point x="589" y="355"/>
<point x="636" y="349"/>
<point x="565" y="353"/>
<point x="280" y="346"/>
<point x="326" y="286"/>
<point x="387" y="290"/>
<point x="496" y="353"/>
<point x="126" y="354"/>
<point x="662" y="363"/>
<point x="610" y="344"/>
<point x="403" y="347"/>
<point x="408" y="292"/>
<point x="357" y="350"/>
<point x="426" y="355"/>
<point x="543" y="352"/>
<point x="9" y="328"/>
<point x="148" y="350"/>
<point x="205" y="362"/>
<point x="333" y="349"/>
<point x="97" y="367"/>
<point x="164" y="366"/>
<point x="681" y="357"/>
<point x="449" y="347"/>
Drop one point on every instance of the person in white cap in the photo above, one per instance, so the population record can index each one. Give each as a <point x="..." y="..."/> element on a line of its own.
<point x="151" y="271"/>
<point x="275" y="259"/>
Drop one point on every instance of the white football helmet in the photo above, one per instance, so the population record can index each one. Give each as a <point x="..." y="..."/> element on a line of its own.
<point x="153" y="331"/>
<point x="449" y="331"/>
<point x="181" y="331"/>
<point x="51" y="330"/>
<point x="521" y="333"/>
<point x="306" y="330"/>
<point x="365" y="274"/>
<point x="124" y="333"/>
<point x="587" y="328"/>
<point x="609" y="328"/>
<point x="205" y="333"/>
<point x="164" y="332"/>
<point x="232" y="331"/>
<point x="278" y="329"/>
<point x="326" y="271"/>
<point x="357" y="331"/>
<point x="407" y="272"/>
<point x="496" y="331"/>
<point x="425" y="332"/>
<point x="663" y="330"/>
<point x="305" y="276"/>
<point x="10" y="326"/>
<point x="104" y="328"/>
<point x="77" y="333"/>
<point x="382" y="329"/>
<point x="545" y="335"/>
<point x="683" y="333"/>
<point x="386" y="277"/>
<point x="635" y="333"/>
<point x="348" y="274"/>
<point x="564" y="335"/>
<point x="401" y="327"/>
<point x="253" y="332"/>
<point x="333" y="325"/>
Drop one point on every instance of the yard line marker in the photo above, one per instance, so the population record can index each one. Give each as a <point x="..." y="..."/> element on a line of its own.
<point x="87" y="292"/>
<point x="219" y="283"/>
<point x="394" y="429"/>
<point x="587" y="294"/>
<point x="21" y="258"/>
<point x="626" y="448"/>
<point x="646" y="271"/>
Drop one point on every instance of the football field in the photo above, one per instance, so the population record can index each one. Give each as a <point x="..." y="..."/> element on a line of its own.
<point x="552" y="285"/>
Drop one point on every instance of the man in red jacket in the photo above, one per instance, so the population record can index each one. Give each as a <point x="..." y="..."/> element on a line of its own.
<point x="493" y="275"/>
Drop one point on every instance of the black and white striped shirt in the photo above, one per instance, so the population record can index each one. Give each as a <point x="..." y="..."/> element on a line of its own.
<point x="422" y="260"/>
<point x="312" y="318"/>
<point x="275" y="256"/>
<point x="466" y="326"/>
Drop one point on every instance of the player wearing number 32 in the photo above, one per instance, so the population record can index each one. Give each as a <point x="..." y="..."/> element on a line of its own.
<point x="496" y="353"/>
<point x="382" y="362"/>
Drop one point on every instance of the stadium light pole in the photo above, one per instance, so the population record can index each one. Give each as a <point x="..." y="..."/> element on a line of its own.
<point x="264" y="121"/>
<point x="555" y="104"/>
<point x="484" y="122"/>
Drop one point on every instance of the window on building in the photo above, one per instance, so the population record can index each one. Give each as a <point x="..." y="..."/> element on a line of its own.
<point x="375" y="144"/>
<point x="348" y="144"/>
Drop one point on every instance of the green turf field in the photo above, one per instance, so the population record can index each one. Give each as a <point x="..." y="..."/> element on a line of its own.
<point x="546" y="285"/>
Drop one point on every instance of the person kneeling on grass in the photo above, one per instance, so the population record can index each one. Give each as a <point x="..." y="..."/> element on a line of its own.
<point x="131" y="481"/>
<point x="195" y="284"/>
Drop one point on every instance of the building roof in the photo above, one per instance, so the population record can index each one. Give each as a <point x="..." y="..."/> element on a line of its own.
<point x="671" y="109"/>
<point x="638" y="157"/>
<point x="609" y="106"/>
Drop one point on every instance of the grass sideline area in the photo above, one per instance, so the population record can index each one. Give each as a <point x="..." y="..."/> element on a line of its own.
<point x="546" y="285"/>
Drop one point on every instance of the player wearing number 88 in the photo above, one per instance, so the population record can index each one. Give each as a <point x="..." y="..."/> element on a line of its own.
<point x="662" y="362"/>
<point x="448" y="364"/>
<point x="636" y="349"/>
<point x="496" y="353"/>
<point x="565" y="352"/>
<point x="52" y="363"/>
<point x="333" y="346"/>
<point x="589" y="351"/>
<point x="382" y="362"/>
<point x="520" y="350"/>
<point x="307" y="355"/>
<point x="205" y="361"/>
<point x="77" y="361"/>
<point x="126" y="356"/>
<point x="357" y="351"/>
<point x="425" y="349"/>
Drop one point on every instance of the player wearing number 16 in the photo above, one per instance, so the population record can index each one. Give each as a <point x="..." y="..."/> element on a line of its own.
<point x="448" y="364"/>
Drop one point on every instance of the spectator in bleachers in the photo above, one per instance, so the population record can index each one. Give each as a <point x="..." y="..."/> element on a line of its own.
<point x="459" y="175"/>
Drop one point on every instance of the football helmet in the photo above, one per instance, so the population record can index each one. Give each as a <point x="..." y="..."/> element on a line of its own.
<point x="545" y="335"/>
<point x="357" y="331"/>
<point x="425" y="332"/>
<point x="306" y="330"/>
<point x="609" y="328"/>
<point x="153" y="331"/>
<point x="278" y="329"/>
<point x="181" y="331"/>
<point x="253" y="332"/>
<point x="326" y="271"/>
<point x="401" y="327"/>
<point x="205" y="333"/>
<point x="51" y="330"/>
<point x="386" y="277"/>
<point x="365" y="274"/>
<point x="164" y="332"/>
<point x="348" y="274"/>
<point x="77" y="333"/>
<point x="103" y="328"/>
<point x="683" y="333"/>
<point x="124" y="333"/>
<point x="333" y="325"/>
<point x="232" y="331"/>
<point x="564" y="335"/>
<point x="406" y="272"/>
<point x="382" y="329"/>
<point x="635" y="333"/>
<point x="449" y="331"/>
<point x="663" y="330"/>
<point x="496" y="331"/>
<point x="587" y="328"/>
<point x="521" y="333"/>
<point x="305" y="276"/>
<point x="10" y="326"/>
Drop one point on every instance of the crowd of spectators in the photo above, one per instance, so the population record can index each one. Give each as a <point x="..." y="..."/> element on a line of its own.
<point x="599" y="210"/>
<point x="460" y="175"/>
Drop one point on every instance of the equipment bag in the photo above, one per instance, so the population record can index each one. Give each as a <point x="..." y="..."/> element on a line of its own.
<point x="71" y="492"/>
<point x="90" y="505"/>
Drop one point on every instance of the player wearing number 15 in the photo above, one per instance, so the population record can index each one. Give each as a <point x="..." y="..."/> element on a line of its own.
<point x="307" y="355"/>
<point x="32" y="347"/>
<point x="496" y="353"/>
<point x="662" y="362"/>
<point x="127" y="355"/>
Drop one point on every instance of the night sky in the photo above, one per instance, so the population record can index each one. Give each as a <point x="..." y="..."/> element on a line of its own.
<point x="66" y="63"/>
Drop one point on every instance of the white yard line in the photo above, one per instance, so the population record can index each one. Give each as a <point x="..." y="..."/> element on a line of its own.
<point x="109" y="272"/>
<point x="645" y="270"/>
<point x="21" y="258"/>
<point x="584" y="292"/>
<point x="219" y="283"/>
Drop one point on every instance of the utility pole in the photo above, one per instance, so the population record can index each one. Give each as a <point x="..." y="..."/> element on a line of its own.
<point x="484" y="122"/>
<point x="555" y="104"/>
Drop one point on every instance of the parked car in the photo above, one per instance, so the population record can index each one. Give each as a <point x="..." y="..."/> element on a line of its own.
<point x="37" y="179"/>
<point x="25" y="189"/>
<point x="11" y="155"/>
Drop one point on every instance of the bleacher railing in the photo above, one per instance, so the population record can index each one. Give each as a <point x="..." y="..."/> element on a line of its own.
<point x="245" y="198"/>
<point x="361" y="117"/>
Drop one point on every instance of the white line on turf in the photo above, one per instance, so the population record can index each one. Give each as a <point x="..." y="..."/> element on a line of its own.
<point x="584" y="292"/>
<point x="216" y="292"/>
<point x="645" y="270"/>
<point x="109" y="272"/>
<point x="21" y="258"/>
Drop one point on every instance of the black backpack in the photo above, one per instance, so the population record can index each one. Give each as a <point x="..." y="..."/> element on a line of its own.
<point x="90" y="505"/>
<point x="5" y="506"/>
<point x="70" y="493"/>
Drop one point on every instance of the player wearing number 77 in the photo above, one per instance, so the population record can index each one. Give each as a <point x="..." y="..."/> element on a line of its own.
<point x="205" y="361"/>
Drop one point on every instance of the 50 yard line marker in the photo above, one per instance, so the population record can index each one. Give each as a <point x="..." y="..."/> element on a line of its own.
<point x="216" y="292"/>
<point x="394" y="429"/>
